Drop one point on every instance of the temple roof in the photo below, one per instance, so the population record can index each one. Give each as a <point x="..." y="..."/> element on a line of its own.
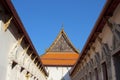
<point x="59" y="59"/>
<point x="61" y="44"/>
<point x="61" y="52"/>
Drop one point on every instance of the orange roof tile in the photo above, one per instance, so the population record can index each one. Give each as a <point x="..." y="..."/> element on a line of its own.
<point x="61" y="52"/>
<point x="59" y="58"/>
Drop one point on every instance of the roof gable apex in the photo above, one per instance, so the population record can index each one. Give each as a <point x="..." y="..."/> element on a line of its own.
<point x="62" y="44"/>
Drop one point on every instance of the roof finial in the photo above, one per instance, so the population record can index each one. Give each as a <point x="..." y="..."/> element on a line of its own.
<point x="62" y="27"/>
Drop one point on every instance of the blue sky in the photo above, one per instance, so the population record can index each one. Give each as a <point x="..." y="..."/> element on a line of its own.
<point x="43" y="20"/>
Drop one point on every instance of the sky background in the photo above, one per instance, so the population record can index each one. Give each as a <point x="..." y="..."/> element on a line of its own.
<point x="43" y="20"/>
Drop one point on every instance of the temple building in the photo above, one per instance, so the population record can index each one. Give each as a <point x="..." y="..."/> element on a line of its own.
<point x="98" y="60"/>
<point x="60" y="57"/>
<point x="18" y="57"/>
<point x="100" y="57"/>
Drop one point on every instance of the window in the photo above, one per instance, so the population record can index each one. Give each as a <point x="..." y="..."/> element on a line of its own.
<point x="117" y="65"/>
<point x="104" y="69"/>
<point x="85" y="77"/>
<point x="96" y="74"/>
<point x="90" y="75"/>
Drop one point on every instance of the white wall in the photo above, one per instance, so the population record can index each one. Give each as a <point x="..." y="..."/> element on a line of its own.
<point x="57" y="73"/>
<point x="9" y="52"/>
<point x="6" y="40"/>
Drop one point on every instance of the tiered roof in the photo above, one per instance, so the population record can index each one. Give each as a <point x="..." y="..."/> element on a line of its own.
<point x="61" y="52"/>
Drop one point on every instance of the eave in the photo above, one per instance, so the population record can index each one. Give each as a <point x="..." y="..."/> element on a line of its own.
<point x="107" y="12"/>
<point x="16" y="20"/>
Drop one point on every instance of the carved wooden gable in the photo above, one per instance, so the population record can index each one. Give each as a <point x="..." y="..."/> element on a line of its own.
<point x="62" y="44"/>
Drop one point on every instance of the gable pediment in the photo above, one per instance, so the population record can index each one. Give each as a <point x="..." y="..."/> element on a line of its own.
<point x="62" y="44"/>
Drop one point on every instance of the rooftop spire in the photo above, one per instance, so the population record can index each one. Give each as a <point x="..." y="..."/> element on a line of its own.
<point x="62" y="27"/>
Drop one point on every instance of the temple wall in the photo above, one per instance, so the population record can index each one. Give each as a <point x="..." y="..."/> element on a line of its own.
<point x="102" y="61"/>
<point x="16" y="61"/>
<point x="58" y="73"/>
<point x="6" y="41"/>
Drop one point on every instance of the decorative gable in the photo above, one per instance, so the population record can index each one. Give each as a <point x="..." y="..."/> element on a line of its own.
<point x="62" y="44"/>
